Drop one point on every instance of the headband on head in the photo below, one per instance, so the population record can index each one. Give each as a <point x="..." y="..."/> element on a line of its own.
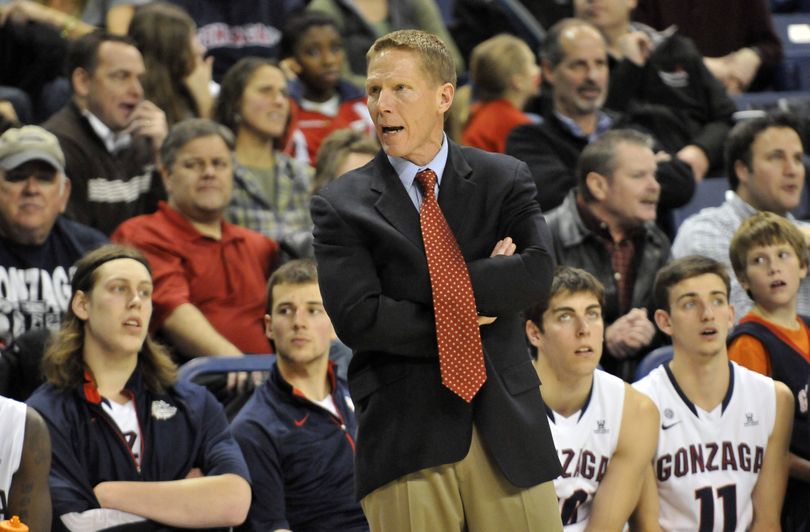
<point x="78" y="281"/>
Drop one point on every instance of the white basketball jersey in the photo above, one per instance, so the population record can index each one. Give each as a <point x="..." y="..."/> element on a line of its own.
<point x="12" y="421"/>
<point x="707" y="463"/>
<point x="585" y="442"/>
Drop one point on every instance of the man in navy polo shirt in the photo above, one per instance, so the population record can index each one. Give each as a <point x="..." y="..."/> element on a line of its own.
<point x="297" y="431"/>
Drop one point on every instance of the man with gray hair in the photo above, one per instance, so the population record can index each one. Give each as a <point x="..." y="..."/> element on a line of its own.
<point x="38" y="246"/>
<point x="575" y="64"/>
<point x="606" y="226"/>
<point x="209" y="274"/>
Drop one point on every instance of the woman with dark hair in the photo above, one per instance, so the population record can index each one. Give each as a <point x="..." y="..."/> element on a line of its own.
<point x="271" y="190"/>
<point x="129" y="442"/>
<point x="177" y="78"/>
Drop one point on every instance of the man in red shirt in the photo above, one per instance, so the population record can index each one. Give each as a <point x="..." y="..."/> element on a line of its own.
<point x="209" y="274"/>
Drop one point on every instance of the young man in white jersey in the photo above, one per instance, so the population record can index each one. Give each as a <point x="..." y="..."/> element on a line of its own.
<point x="722" y="458"/>
<point x="605" y="432"/>
<point x="25" y="461"/>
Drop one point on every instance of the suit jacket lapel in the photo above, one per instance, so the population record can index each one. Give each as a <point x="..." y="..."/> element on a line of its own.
<point x="396" y="207"/>
<point x="456" y="191"/>
<point x="394" y="203"/>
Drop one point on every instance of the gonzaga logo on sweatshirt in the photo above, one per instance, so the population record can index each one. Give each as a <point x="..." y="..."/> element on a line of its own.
<point x="32" y="298"/>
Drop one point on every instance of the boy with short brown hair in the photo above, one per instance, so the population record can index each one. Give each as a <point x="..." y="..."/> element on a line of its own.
<point x="770" y="257"/>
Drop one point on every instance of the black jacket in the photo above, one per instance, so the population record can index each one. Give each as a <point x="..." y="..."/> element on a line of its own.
<point x="551" y="151"/>
<point x="576" y="245"/>
<point x="376" y="288"/>
<point x="674" y="96"/>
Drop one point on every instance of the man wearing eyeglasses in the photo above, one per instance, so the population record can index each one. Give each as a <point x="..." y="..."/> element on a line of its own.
<point x="209" y="275"/>
<point x="38" y="246"/>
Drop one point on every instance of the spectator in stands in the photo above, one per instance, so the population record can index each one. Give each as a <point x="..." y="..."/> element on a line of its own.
<point x="340" y="152"/>
<point x="110" y="135"/>
<point x="736" y="37"/>
<point x="129" y="442"/>
<point x="660" y="80"/>
<point x="177" y="76"/>
<point x="606" y="226"/>
<point x="575" y="64"/>
<point x="361" y="23"/>
<point x="769" y="257"/>
<point x="302" y="479"/>
<point x="505" y="75"/>
<point x="765" y="169"/>
<point x="37" y="245"/>
<point x="209" y="274"/>
<point x="722" y="456"/>
<point x="271" y="192"/>
<point x="322" y="100"/>
<point x="595" y="418"/>
<point x="236" y="29"/>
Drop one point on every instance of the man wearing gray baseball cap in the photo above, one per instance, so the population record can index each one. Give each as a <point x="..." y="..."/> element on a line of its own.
<point x="37" y="246"/>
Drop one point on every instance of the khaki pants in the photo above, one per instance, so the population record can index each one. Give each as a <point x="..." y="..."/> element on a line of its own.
<point x="470" y="496"/>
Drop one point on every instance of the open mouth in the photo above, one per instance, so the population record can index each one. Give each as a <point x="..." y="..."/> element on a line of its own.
<point x="584" y="350"/>
<point x="709" y="331"/>
<point x="128" y="108"/>
<point x="387" y="130"/>
<point x="778" y="284"/>
<point x="133" y="323"/>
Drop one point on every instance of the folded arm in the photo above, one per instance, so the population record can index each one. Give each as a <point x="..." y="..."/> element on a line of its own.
<point x="221" y="500"/>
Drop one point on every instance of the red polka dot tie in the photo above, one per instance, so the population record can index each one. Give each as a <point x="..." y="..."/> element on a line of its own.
<point x="461" y="356"/>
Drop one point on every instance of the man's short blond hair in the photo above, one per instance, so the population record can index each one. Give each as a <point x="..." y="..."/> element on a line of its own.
<point x="435" y="57"/>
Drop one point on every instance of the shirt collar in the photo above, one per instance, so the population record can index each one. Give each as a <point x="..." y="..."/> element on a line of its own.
<point x="112" y="141"/>
<point x="406" y="170"/>
<point x="181" y="223"/>
<point x="603" y="123"/>
<point x="742" y="208"/>
<point x="597" y="225"/>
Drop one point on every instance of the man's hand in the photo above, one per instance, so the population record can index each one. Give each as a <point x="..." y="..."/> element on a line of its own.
<point x="696" y="158"/>
<point x="636" y="47"/>
<point x="505" y="247"/>
<point x="238" y="380"/>
<point x="149" y="120"/>
<point x="743" y="66"/>
<point x="629" y="334"/>
<point x="736" y="70"/>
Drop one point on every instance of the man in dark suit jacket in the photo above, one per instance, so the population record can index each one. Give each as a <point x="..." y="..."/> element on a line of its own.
<point x="479" y="465"/>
